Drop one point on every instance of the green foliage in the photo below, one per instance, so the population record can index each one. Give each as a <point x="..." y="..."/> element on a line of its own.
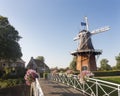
<point x="61" y="70"/>
<point x="41" y="58"/>
<point x="20" y="71"/>
<point x="9" y="73"/>
<point x="114" y="68"/>
<point x="76" y="72"/>
<point x="8" y="79"/>
<point x="7" y="70"/>
<point x="11" y="82"/>
<point x="113" y="79"/>
<point x="73" y="64"/>
<point x="118" y="62"/>
<point x="1" y="73"/>
<point x="9" y="37"/>
<point x="104" y="65"/>
<point x="45" y="75"/>
<point x="106" y="73"/>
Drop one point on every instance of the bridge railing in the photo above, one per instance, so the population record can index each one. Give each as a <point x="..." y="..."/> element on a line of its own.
<point x="36" y="89"/>
<point x="91" y="87"/>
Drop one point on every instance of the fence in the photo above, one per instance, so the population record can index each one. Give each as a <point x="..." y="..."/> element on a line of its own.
<point x="92" y="87"/>
<point x="36" y="88"/>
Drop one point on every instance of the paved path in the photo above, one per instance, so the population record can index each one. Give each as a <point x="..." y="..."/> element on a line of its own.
<point x="51" y="88"/>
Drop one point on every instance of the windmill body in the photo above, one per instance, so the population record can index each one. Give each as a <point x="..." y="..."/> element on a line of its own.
<point x="85" y="52"/>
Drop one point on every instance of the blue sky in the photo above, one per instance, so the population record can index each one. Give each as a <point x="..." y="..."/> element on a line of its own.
<point x="49" y="26"/>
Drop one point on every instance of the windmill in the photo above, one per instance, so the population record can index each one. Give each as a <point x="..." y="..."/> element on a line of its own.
<point x="85" y="52"/>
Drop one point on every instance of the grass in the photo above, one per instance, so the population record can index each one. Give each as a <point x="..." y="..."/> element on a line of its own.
<point x="114" y="79"/>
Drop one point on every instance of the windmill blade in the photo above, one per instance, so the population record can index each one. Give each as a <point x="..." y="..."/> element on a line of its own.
<point x="79" y="36"/>
<point x="76" y="38"/>
<point x="100" y="30"/>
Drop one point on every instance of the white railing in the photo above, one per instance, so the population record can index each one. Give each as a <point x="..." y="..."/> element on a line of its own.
<point x="36" y="88"/>
<point x="92" y="87"/>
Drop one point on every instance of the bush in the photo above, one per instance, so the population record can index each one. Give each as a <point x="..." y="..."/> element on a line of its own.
<point x="3" y="85"/>
<point x="19" y="73"/>
<point x="1" y="73"/>
<point x="76" y="72"/>
<point x="11" y="82"/>
<point x="45" y="75"/>
<point x="106" y="73"/>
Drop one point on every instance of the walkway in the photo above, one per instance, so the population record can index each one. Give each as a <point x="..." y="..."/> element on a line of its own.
<point x="51" y="88"/>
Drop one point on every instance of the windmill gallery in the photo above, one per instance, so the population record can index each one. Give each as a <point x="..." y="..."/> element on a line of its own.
<point x="85" y="53"/>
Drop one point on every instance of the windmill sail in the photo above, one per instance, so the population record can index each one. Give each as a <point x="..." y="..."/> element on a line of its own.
<point x="100" y="30"/>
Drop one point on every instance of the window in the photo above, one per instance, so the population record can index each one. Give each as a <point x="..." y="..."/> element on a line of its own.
<point x="84" y="68"/>
<point x="4" y="65"/>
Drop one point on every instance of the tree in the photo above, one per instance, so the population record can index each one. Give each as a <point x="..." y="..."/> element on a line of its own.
<point x="9" y="37"/>
<point x="104" y="65"/>
<point x="118" y="62"/>
<point x="73" y="64"/>
<point x="41" y="58"/>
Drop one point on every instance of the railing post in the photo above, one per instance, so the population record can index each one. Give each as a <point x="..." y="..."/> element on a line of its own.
<point x="68" y="82"/>
<point x="83" y="87"/>
<point x="119" y="90"/>
<point x="74" y="83"/>
<point x="96" y="88"/>
<point x="31" y="90"/>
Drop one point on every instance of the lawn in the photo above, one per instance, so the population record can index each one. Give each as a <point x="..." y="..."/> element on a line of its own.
<point x="114" y="79"/>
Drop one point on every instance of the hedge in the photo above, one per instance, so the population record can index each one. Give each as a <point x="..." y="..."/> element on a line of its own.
<point x="106" y="73"/>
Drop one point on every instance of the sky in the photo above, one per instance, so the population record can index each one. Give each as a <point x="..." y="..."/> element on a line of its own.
<point x="48" y="27"/>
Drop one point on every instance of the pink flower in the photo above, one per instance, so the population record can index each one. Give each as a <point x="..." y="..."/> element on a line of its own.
<point x="69" y="71"/>
<point x="85" y="75"/>
<point x="28" y="83"/>
<point x="30" y="76"/>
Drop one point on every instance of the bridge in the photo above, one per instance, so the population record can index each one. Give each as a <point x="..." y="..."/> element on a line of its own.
<point x="63" y="85"/>
<point x="51" y="88"/>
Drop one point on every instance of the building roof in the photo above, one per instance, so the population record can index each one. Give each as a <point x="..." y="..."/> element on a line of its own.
<point x="18" y="60"/>
<point x="39" y="63"/>
<point x="36" y="63"/>
<point x="21" y="61"/>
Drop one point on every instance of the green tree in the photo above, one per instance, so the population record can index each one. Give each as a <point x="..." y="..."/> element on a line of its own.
<point x="9" y="37"/>
<point x="118" y="62"/>
<point x="73" y="64"/>
<point x="41" y="58"/>
<point x="104" y="65"/>
<point x="114" y="68"/>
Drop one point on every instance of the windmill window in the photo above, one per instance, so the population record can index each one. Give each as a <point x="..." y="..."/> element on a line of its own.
<point x="4" y="64"/>
<point x="84" y="68"/>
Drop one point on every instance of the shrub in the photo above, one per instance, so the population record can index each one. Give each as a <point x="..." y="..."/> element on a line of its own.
<point x="11" y="82"/>
<point x="19" y="72"/>
<point x="3" y="85"/>
<point x="45" y="75"/>
<point x="106" y="73"/>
